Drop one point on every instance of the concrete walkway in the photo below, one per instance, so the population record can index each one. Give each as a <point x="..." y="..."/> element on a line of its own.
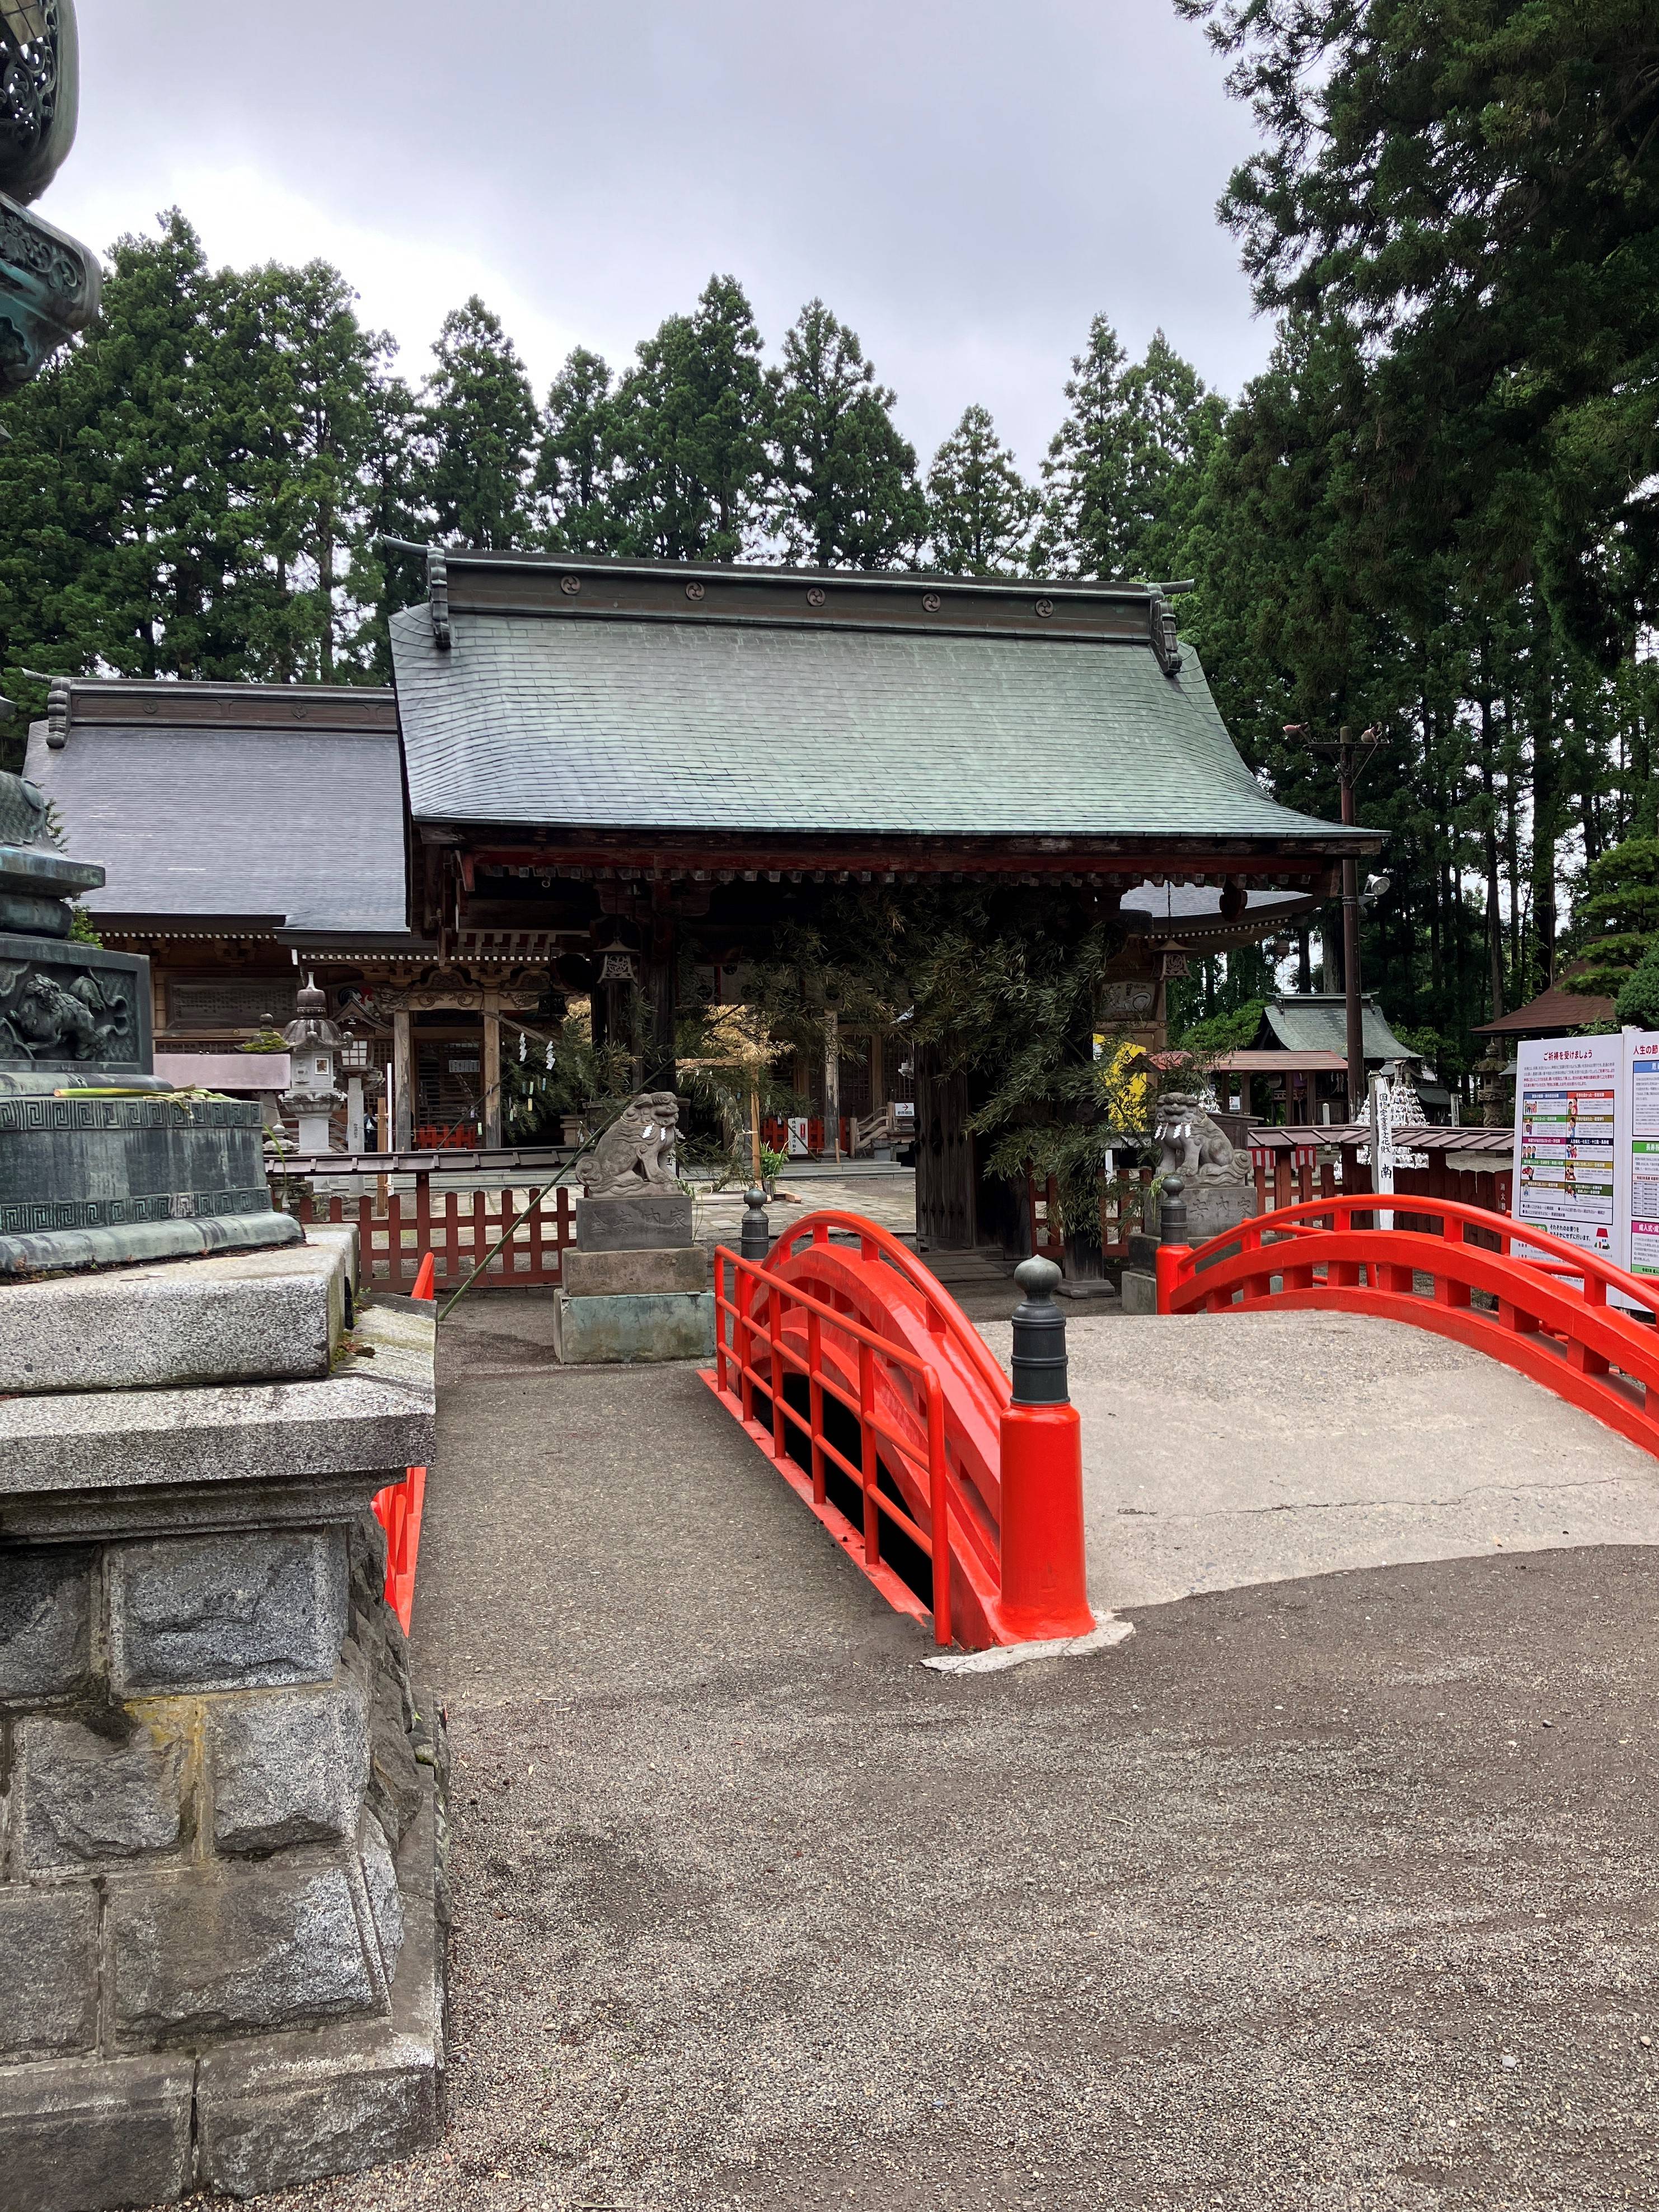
<point x="1221" y="1450"/>
<point x="1320" y="1894"/>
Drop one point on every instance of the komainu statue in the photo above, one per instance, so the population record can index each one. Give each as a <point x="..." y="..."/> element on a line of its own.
<point x="636" y="1154"/>
<point x="1194" y="1147"/>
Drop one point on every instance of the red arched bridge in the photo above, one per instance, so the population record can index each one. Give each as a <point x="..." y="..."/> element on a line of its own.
<point x="963" y="1498"/>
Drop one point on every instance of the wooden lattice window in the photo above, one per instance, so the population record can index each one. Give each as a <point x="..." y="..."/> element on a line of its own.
<point x="229" y="1002"/>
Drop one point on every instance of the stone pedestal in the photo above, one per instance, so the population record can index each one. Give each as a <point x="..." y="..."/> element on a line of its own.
<point x="221" y="1902"/>
<point x="1211" y="1211"/>
<point x="635" y="1285"/>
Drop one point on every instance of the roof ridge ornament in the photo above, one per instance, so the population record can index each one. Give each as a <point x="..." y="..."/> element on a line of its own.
<point x="1166" y="640"/>
<point x="58" y="705"/>
<point x="437" y="591"/>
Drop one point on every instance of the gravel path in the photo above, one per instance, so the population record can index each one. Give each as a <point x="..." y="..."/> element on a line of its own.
<point x="1325" y="1894"/>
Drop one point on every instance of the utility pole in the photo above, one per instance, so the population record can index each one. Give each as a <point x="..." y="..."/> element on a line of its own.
<point x="1353" y="757"/>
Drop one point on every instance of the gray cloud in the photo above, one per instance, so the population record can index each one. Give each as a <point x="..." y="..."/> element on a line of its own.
<point x="966" y="184"/>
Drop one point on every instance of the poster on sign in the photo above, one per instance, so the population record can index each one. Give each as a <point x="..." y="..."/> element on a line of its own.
<point x="1570" y="1139"/>
<point x="1641" y="1141"/>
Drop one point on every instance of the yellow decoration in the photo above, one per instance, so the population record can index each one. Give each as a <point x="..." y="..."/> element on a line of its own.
<point x="1126" y="1092"/>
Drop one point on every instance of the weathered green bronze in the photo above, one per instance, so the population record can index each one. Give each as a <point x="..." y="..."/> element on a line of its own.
<point x="49" y="281"/>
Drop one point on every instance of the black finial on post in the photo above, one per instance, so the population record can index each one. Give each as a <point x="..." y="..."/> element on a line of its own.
<point x="1039" y="1362"/>
<point x="1172" y="1211"/>
<point x="755" y="1240"/>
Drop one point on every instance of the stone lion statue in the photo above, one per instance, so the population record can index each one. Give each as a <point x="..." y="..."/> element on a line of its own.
<point x="1194" y="1147"/>
<point x="636" y="1153"/>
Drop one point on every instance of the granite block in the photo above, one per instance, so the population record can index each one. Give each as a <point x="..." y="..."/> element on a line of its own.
<point x="649" y="1223"/>
<point x="247" y="1317"/>
<point x="394" y="1774"/>
<point x="45" y="1622"/>
<point x="631" y="1274"/>
<point x="48" y="1969"/>
<point x="234" y="1948"/>
<point x="85" y="2136"/>
<point x="656" y="1325"/>
<point x="88" y="1796"/>
<point x="291" y="2108"/>
<point x="289" y="1766"/>
<point x="227" y="1611"/>
<point x="385" y="1903"/>
<point x="1139" y="1291"/>
<point x="100" y="1463"/>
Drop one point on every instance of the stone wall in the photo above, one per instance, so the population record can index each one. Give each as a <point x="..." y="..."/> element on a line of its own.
<point x="222" y="1916"/>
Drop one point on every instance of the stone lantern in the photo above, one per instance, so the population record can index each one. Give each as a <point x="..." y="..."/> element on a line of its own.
<point x="315" y="1044"/>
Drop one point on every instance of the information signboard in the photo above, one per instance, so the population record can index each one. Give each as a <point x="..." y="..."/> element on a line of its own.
<point x="1642" y="1140"/>
<point x="1571" y="1154"/>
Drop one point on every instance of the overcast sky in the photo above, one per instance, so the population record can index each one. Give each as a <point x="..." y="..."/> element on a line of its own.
<point x="965" y="183"/>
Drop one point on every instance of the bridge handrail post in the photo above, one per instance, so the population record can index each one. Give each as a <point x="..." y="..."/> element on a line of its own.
<point x="870" y="1470"/>
<point x="1173" y="1264"/>
<point x="774" y="1298"/>
<point x="815" y="1401"/>
<point x="938" y="1503"/>
<point x="1044" y="1590"/>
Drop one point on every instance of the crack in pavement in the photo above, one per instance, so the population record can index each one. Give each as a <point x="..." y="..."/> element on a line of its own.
<point x="1356" y="1505"/>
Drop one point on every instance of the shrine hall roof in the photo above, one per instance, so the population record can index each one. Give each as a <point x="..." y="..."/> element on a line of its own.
<point x="276" y="806"/>
<point x="608" y="695"/>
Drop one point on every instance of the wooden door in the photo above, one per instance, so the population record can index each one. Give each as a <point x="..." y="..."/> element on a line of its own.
<point x="946" y="1216"/>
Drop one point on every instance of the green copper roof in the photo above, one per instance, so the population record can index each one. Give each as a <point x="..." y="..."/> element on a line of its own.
<point x="1320" y="1022"/>
<point x="615" y="721"/>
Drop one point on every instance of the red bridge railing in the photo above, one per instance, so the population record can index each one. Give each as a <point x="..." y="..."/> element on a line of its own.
<point x="399" y="1506"/>
<point x="1483" y="1279"/>
<point x="853" y="1367"/>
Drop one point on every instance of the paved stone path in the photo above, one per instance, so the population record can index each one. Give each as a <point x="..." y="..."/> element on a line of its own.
<point x="1227" y="1450"/>
<point x="1324" y="1893"/>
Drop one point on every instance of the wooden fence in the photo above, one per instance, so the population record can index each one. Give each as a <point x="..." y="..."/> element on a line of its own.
<point x="457" y="1227"/>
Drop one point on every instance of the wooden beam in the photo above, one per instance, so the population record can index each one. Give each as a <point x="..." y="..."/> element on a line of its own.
<point x="403" y="1077"/>
<point x="492" y="1070"/>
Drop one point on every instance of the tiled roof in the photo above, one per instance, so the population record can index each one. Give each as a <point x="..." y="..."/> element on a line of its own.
<point x="1319" y="1023"/>
<point x="663" y="723"/>
<point x="265" y="801"/>
<point x="1555" y="1012"/>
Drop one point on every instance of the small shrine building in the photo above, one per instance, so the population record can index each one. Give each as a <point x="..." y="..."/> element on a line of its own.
<point x="612" y="776"/>
<point x="652" y="765"/>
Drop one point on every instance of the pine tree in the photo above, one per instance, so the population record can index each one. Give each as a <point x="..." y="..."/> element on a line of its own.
<point x="689" y="425"/>
<point x="844" y="481"/>
<point x="134" y="554"/>
<point x="379" y="580"/>
<point x="1618" y="921"/>
<point x="307" y="388"/>
<point x="1126" y="462"/>
<point x="1085" y="475"/>
<point x="576" y="466"/>
<point x="480" y="429"/>
<point x="980" y="508"/>
<point x="1475" y="191"/>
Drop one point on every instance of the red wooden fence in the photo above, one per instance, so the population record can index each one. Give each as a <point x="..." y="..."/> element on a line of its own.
<point x="457" y="1227"/>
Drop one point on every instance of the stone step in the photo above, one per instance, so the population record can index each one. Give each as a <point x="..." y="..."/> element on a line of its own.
<point x="266" y="1316"/>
